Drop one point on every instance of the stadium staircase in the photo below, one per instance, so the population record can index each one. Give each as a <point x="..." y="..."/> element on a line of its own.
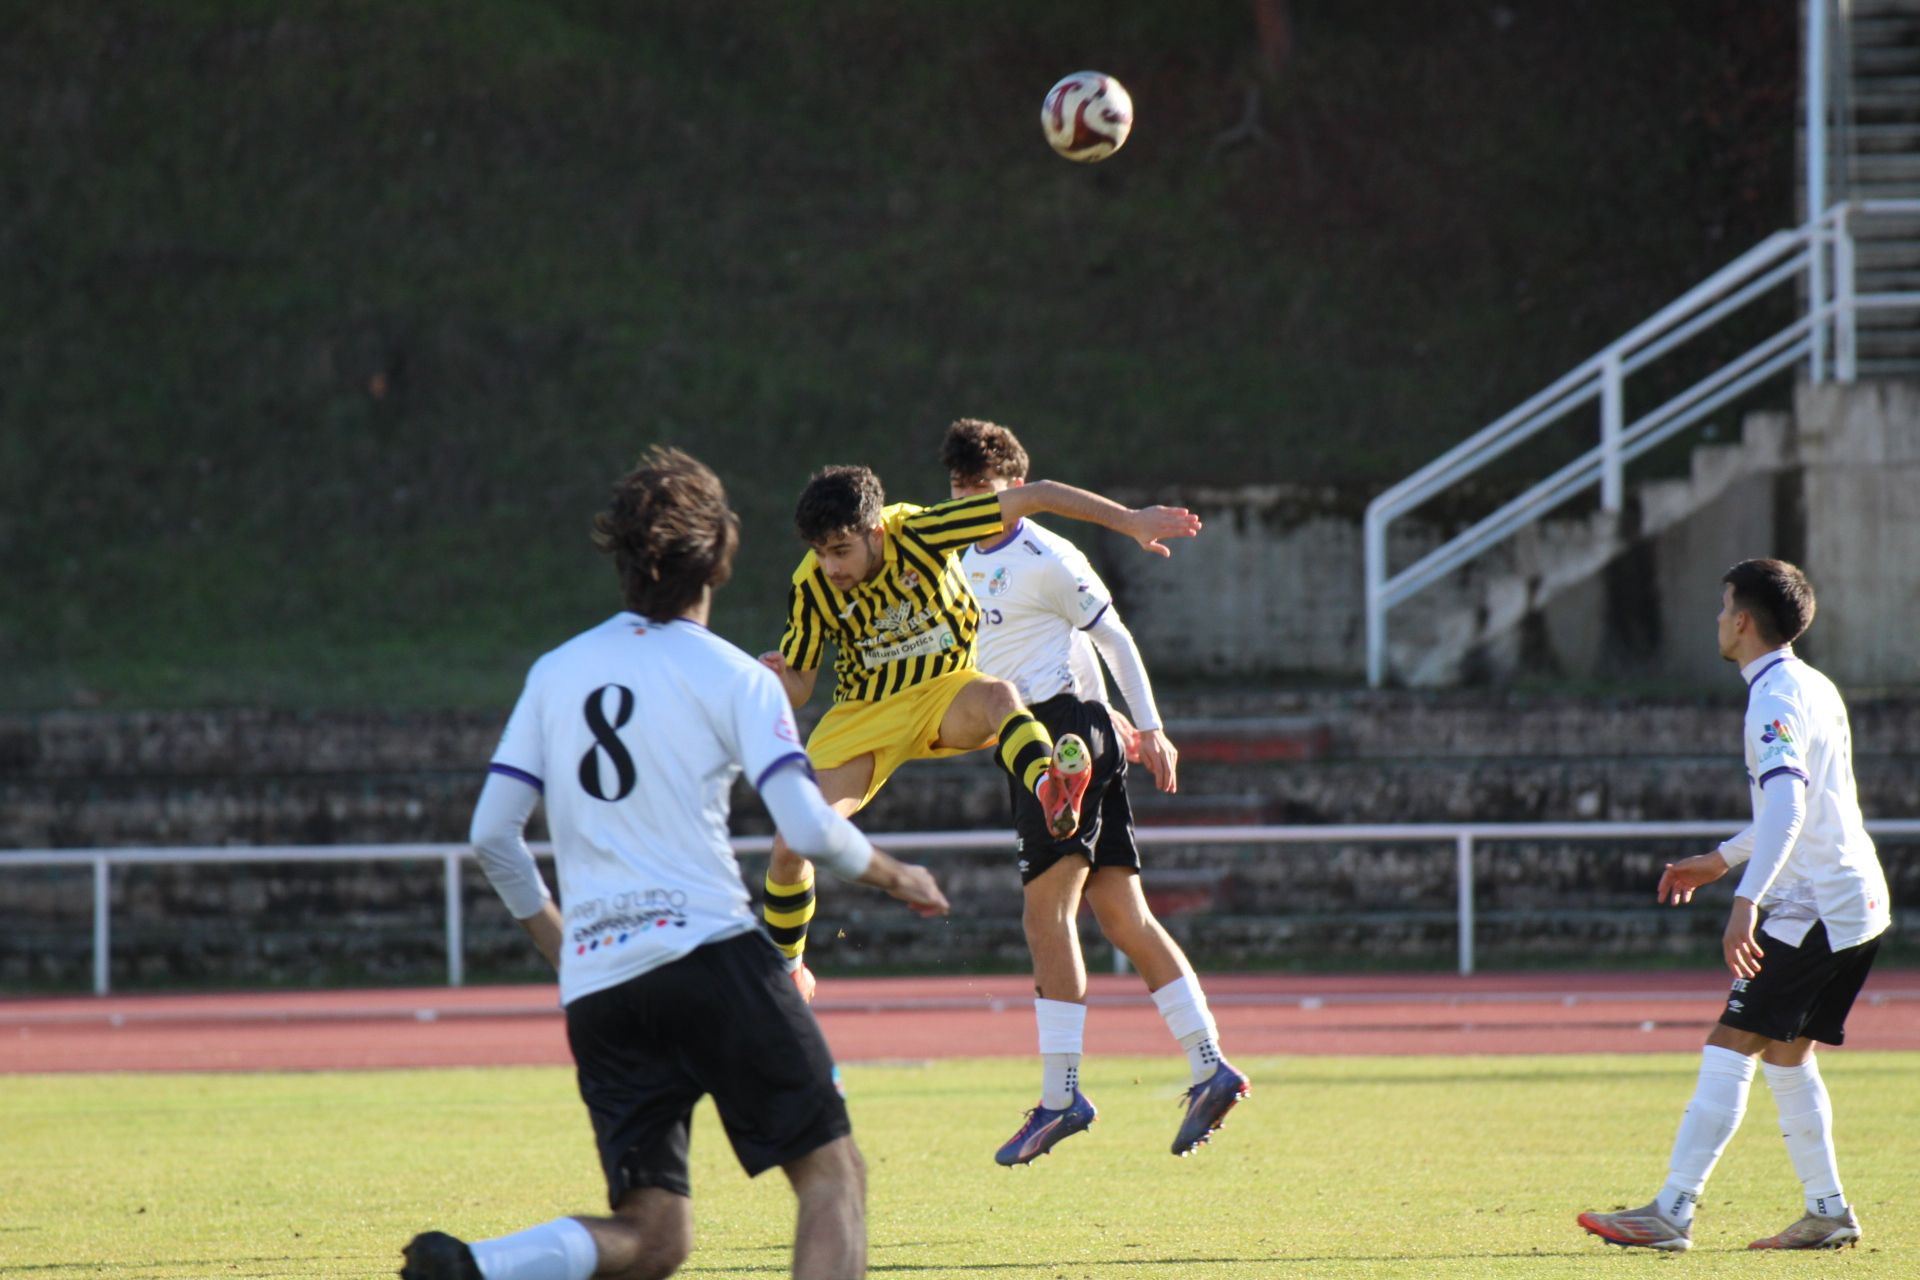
<point x="1850" y="279"/>
<point x="1880" y="141"/>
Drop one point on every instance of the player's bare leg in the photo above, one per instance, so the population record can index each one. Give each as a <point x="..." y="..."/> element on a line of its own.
<point x="990" y="710"/>
<point x="830" y="1238"/>
<point x="1050" y="916"/>
<point x="1128" y="922"/>
<point x="1121" y="908"/>
<point x="788" y="906"/>
<point x="649" y="1236"/>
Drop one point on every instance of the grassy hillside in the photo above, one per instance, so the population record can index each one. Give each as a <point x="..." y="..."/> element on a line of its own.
<point x="326" y="324"/>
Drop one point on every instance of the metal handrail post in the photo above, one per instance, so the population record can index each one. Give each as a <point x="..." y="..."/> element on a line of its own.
<point x="456" y="937"/>
<point x="1463" y="852"/>
<point x="102" y="925"/>
<point x="1375" y="551"/>
<point x="1612" y="413"/>
<point x="1816" y="144"/>
<point x="1845" y="336"/>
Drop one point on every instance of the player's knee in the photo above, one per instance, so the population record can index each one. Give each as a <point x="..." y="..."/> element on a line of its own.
<point x="655" y="1252"/>
<point x="834" y="1172"/>
<point x="1002" y="699"/>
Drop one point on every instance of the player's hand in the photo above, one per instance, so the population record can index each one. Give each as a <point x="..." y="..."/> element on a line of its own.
<point x="1162" y="761"/>
<point x="1681" y="878"/>
<point x="1741" y="948"/>
<point x="1150" y="524"/>
<point x="774" y="661"/>
<point x="913" y="885"/>
<point x="1128" y="736"/>
<point x="916" y="887"/>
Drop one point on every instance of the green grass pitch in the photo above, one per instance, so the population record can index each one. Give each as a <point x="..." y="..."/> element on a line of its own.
<point x="1337" y="1167"/>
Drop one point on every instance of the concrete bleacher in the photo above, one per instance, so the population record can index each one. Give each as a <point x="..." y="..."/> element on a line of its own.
<point x="1249" y="757"/>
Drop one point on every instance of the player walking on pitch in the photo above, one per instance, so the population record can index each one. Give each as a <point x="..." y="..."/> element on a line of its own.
<point x="1813" y="871"/>
<point x="634" y="731"/>
<point x="1040" y="602"/>
<point x="883" y="583"/>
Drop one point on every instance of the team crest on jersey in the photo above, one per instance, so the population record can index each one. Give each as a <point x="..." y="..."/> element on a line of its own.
<point x="894" y="617"/>
<point x="910" y="579"/>
<point x="1776" y="730"/>
<point x="999" y="584"/>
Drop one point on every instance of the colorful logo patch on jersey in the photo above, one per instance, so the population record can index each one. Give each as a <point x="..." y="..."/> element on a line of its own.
<point x="1776" y="730"/>
<point x="910" y="579"/>
<point x="999" y="584"/>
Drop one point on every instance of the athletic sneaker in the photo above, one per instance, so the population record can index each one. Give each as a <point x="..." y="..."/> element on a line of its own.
<point x="435" y="1255"/>
<point x="1043" y="1129"/>
<point x="803" y="981"/>
<point x="1815" y="1232"/>
<point x="1644" y="1228"/>
<point x="1064" y="783"/>
<point x="1207" y="1105"/>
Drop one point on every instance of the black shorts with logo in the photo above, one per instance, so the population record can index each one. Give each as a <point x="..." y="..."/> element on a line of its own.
<point x="725" y="1020"/>
<point x="1106" y="818"/>
<point x="1800" y="991"/>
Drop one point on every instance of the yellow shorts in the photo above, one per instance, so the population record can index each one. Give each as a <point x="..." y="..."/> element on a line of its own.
<point x="900" y="727"/>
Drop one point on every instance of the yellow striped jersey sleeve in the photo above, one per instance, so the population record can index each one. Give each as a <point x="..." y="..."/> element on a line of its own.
<point x="950" y="526"/>
<point x="805" y="638"/>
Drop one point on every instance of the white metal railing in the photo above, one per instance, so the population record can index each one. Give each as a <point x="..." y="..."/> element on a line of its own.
<point x="1464" y="837"/>
<point x="1819" y="256"/>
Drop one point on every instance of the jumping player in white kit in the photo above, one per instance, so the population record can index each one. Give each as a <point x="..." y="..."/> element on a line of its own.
<point x="1041" y="603"/>
<point x="1815" y="887"/>
<point x="634" y="732"/>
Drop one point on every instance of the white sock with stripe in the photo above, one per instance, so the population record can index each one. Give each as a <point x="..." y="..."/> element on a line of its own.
<point x="557" y="1250"/>
<point x="1806" y="1122"/>
<point x="1183" y="1006"/>
<point x="1719" y="1101"/>
<point x="1063" y="1029"/>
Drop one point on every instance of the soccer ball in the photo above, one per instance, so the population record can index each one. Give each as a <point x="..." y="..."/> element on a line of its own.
<point x="1087" y="116"/>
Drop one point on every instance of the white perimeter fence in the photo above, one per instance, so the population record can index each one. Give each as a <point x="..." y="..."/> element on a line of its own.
<point x="1464" y="837"/>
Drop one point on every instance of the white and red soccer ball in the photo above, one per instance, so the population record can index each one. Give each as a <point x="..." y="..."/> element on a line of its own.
<point x="1087" y="116"/>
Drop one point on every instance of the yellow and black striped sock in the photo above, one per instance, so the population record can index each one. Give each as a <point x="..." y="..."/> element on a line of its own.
<point x="788" y="910"/>
<point x="1026" y="748"/>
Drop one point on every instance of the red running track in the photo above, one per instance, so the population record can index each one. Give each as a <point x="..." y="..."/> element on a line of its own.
<point x="877" y="1019"/>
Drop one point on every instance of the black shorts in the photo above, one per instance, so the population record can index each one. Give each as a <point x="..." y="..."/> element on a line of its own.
<point x="1800" y="991"/>
<point x="1105" y="836"/>
<point x="725" y="1020"/>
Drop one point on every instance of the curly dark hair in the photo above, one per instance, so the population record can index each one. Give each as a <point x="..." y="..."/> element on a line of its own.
<point x="976" y="451"/>
<point x="1776" y="594"/>
<point x="837" y="499"/>
<point x="669" y="531"/>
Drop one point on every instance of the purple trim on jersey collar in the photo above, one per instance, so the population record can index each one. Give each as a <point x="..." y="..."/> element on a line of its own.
<point x="1007" y="541"/>
<point x="1785" y="657"/>
<point x="781" y="763"/>
<point x="645" y="621"/>
<point x="1774" y="773"/>
<point x="1096" y="617"/>
<point x="508" y="771"/>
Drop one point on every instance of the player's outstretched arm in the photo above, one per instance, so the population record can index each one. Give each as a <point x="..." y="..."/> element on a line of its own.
<point x="798" y="684"/>
<point x="1145" y="525"/>
<point x="813" y="830"/>
<point x="913" y="885"/>
<point x="1681" y="878"/>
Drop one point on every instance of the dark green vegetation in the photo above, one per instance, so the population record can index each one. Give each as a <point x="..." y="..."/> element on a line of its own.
<point x="325" y="325"/>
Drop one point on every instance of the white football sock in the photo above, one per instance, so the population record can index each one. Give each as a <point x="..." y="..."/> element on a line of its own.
<point x="557" y="1250"/>
<point x="1183" y="1006"/>
<point x="1806" y="1122"/>
<point x="1063" y="1029"/>
<point x="1719" y="1100"/>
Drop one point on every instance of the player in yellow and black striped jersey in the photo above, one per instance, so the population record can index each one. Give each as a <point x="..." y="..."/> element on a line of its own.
<point x="883" y="585"/>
